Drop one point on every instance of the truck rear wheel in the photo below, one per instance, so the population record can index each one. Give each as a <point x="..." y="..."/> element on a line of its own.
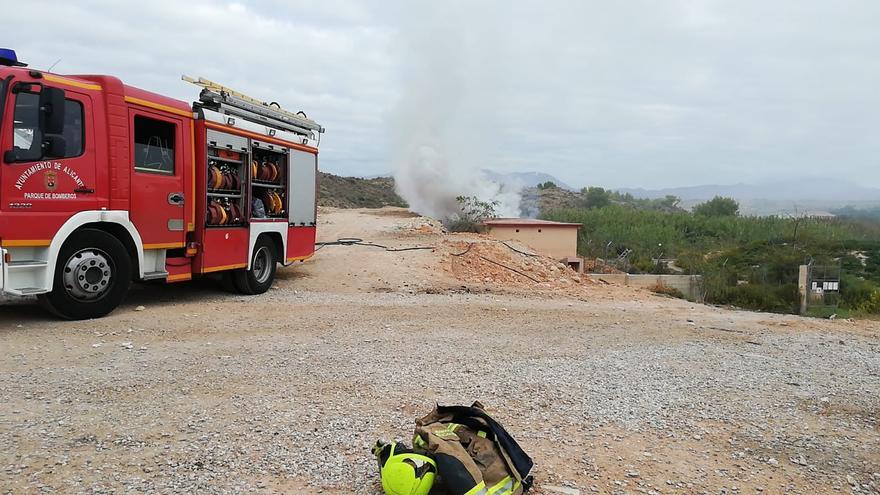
<point x="259" y="277"/>
<point x="227" y="281"/>
<point x="92" y="276"/>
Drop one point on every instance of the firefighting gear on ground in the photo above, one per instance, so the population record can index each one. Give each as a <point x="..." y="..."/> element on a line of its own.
<point x="462" y="450"/>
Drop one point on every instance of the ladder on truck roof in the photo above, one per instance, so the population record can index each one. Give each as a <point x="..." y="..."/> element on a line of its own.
<point x="228" y="101"/>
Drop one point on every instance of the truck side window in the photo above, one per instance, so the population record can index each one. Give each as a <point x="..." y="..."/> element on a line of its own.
<point x="74" y="130"/>
<point x="26" y="121"/>
<point x="153" y="145"/>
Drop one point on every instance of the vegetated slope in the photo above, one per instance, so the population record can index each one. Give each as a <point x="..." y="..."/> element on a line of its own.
<point x="354" y="192"/>
<point x="540" y="200"/>
<point x="535" y="201"/>
<point x="870" y="213"/>
<point x="750" y="262"/>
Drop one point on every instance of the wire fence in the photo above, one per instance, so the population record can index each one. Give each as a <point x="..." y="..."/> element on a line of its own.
<point x="823" y="288"/>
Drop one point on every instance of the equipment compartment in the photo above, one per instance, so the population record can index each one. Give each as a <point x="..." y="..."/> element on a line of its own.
<point x="225" y="185"/>
<point x="303" y="188"/>
<point x="268" y="177"/>
<point x="223" y="249"/>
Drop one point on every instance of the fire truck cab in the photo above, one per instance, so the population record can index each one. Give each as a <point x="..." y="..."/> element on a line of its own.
<point x="102" y="184"/>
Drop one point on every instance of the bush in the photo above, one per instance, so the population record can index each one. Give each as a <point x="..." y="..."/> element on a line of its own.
<point x="661" y="288"/>
<point x="596" y="197"/>
<point x="472" y="214"/>
<point x="718" y="207"/>
<point x="856" y="293"/>
<point x="872" y="303"/>
<point x="773" y="298"/>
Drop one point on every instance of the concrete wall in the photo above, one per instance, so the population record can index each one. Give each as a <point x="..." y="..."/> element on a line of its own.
<point x="689" y="285"/>
<point x="555" y="242"/>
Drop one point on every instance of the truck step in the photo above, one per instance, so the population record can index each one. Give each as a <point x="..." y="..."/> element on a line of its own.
<point x="27" y="264"/>
<point x="30" y="291"/>
<point x="155" y="275"/>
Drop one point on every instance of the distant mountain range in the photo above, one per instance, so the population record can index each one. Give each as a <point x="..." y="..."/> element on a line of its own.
<point x="517" y="179"/>
<point x="806" y="196"/>
<point x="524" y="179"/>
<point x="811" y="189"/>
<point x="809" y="196"/>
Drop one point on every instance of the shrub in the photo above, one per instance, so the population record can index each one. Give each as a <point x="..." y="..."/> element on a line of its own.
<point x="472" y="213"/>
<point x="661" y="288"/>
<point x="596" y="197"/>
<point x="718" y="207"/>
<point x="775" y="298"/>
<point x="856" y="293"/>
<point x="872" y="303"/>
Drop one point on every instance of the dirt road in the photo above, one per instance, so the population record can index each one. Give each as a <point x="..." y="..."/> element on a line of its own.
<point x="609" y="389"/>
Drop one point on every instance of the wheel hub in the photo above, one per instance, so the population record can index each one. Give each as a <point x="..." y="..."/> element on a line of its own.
<point x="261" y="266"/>
<point x="87" y="274"/>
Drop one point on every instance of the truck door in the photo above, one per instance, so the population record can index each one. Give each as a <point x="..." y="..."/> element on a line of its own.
<point x="60" y="184"/>
<point x="157" y="180"/>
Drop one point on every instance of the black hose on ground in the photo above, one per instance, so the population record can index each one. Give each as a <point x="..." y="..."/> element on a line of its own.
<point x="355" y="241"/>
<point x="466" y="251"/>
<point x="502" y="265"/>
<point x="533" y="255"/>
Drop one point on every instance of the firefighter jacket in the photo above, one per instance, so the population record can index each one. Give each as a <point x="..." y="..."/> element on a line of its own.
<point x="474" y="454"/>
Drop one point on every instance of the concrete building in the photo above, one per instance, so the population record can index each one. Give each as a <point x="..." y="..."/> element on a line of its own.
<point x="556" y="240"/>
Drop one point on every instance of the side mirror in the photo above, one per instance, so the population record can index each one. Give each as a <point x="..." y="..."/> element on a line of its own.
<point x="19" y="155"/>
<point x="33" y="153"/>
<point x="52" y="110"/>
<point x="54" y="146"/>
<point x="51" y="146"/>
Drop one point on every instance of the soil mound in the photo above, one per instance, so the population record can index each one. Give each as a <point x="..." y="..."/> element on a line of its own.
<point x="480" y="259"/>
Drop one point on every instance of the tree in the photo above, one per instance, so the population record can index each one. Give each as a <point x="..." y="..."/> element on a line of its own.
<point x="472" y="213"/>
<point x="596" y="197"/>
<point x="548" y="185"/>
<point x="670" y="202"/>
<point x="718" y="207"/>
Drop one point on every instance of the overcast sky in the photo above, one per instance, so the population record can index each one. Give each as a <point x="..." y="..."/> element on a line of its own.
<point x="637" y="93"/>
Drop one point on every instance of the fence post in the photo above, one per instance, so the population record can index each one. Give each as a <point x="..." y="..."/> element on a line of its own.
<point x="803" y="286"/>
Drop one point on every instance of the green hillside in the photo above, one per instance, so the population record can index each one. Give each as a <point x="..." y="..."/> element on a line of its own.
<point x="746" y="261"/>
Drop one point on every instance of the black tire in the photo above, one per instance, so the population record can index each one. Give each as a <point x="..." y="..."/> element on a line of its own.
<point x="92" y="276"/>
<point x="259" y="277"/>
<point x="227" y="281"/>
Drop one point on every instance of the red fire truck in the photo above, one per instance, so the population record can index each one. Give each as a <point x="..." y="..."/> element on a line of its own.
<point x="102" y="183"/>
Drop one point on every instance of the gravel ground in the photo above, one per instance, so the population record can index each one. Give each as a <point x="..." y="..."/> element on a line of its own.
<point x="205" y="392"/>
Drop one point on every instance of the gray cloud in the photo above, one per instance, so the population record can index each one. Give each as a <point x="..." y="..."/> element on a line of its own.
<point x="640" y="93"/>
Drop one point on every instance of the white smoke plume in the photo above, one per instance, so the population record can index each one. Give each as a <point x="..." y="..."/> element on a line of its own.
<point x="438" y="151"/>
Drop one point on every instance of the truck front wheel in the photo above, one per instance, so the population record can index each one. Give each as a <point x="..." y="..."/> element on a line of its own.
<point x="259" y="277"/>
<point x="92" y="276"/>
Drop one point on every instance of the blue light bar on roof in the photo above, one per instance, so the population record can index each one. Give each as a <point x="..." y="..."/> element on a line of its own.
<point x="8" y="57"/>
